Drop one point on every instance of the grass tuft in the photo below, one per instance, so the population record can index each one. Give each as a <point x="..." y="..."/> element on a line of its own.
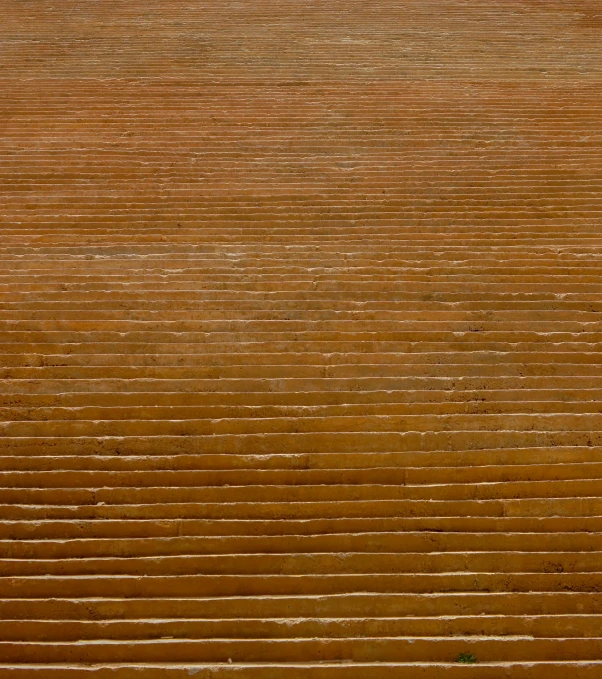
<point x="466" y="658"/>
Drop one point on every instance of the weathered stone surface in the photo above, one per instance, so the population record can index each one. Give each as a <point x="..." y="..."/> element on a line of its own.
<point x="300" y="339"/>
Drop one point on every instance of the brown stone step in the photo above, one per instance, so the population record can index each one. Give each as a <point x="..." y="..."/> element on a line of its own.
<point x="145" y="412"/>
<point x="270" y="384"/>
<point x="573" y="626"/>
<point x="296" y="443"/>
<point x="308" y="424"/>
<point x="152" y="474"/>
<point x="334" y="606"/>
<point x="244" y="585"/>
<point x="321" y="670"/>
<point x="50" y="563"/>
<point x="323" y="460"/>
<point x="169" y="528"/>
<point x="337" y="340"/>
<point x="471" y="398"/>
<point x="530" y="507"/>
<point x="426" y="542"/>
<point x="447" y="369"/>
<point x="401" y="649"/>
<point x="93" y="492"/>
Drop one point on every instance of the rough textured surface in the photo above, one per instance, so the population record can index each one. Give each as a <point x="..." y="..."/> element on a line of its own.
<point x="300" y="339"/>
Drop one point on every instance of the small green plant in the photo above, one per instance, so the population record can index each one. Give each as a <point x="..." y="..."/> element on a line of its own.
<point x="467" y="658"/>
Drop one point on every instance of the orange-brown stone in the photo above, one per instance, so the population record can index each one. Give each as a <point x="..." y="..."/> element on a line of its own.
<point x="300" y="339"/>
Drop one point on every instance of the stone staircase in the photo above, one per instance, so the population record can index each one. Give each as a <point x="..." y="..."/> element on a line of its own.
<point x="300" y="340"/>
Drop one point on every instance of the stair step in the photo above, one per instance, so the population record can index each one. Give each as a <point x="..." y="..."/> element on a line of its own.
<point x="361" y="649"/>
<point x="49" y="562"/>
<point x="578" y="626"/>
<point x="233" y="585"/>
<point x="102" y="528"/>
<point x="530" y="507"/>
<point x="392" y="543"/>
<point x="322" y="670"/>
